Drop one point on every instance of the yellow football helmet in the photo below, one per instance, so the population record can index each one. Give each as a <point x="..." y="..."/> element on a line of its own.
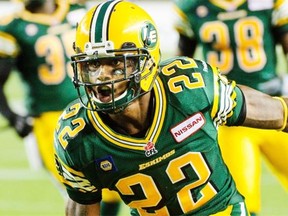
<point x="118" y="30"/>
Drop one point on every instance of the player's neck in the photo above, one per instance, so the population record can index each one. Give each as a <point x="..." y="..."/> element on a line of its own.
<point x="136" y="117"/>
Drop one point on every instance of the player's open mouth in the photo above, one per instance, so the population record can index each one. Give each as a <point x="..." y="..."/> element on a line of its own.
<point x="104" y="94"/>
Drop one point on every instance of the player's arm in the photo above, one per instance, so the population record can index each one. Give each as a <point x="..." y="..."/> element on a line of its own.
<point x="21" y="124"/>
<point x="76" y="209"/>
<point x="264" y="111"/>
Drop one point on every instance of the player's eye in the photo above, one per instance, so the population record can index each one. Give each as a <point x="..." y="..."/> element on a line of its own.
<point x="118" y="72"/>
<point x="92" y="65"/>
<point x="116" y="62"/>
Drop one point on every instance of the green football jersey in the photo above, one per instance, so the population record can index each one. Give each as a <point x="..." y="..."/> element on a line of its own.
<point x="236" y="36"/>
<point x="42" y="45"/>
<point x="176" y="168"/>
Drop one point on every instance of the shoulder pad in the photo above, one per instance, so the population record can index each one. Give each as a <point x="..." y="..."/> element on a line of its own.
<point x="189" y="82"/>
<point x="183" y="64"/>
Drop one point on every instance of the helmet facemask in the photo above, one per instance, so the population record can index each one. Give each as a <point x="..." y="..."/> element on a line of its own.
<point x="132" y="63"/>
<point x="108" y="34"/>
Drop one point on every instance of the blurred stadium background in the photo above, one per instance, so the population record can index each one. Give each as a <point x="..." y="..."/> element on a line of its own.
<point x="28" y="192"/>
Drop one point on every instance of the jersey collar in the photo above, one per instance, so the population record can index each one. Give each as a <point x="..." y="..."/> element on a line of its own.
<point x="133" y="142"/>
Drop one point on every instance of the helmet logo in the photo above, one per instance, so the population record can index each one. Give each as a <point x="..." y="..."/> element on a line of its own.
<point x="149" y="35"/>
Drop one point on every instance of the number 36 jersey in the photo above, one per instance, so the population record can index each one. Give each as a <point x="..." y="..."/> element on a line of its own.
<point x="42" y="46"/>
<point x="176" y="168"/>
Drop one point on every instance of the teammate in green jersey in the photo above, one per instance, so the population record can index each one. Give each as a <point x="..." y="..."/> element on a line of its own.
<point x="240" y="38"/>
<point x="37" y="42"/>
<point x="148" y="129"/>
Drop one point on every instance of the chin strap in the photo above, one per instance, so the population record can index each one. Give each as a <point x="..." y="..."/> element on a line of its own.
<point x="119" y="104"/>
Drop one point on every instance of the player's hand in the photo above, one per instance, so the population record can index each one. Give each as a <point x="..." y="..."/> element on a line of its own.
<point x="22" y="124"/>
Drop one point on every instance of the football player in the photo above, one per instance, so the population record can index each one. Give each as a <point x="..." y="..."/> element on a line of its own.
<point x="148" y="129"/>
<point x="240" y="38"/>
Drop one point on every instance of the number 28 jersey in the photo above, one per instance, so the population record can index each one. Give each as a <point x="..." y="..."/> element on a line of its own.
<point x="176" y="168"/>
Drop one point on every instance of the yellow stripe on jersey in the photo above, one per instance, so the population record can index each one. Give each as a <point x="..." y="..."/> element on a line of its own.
<point x="73" y="178"/>
<point x="224" y="98"/>
<point x="233" y="97"/>
<point x="70" y="170"/>
<point x="160" y="111"/>
<point x="216" y="92"/>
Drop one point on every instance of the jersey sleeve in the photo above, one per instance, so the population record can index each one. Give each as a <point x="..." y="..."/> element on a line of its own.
<point x="77" y="186"/>
<point x="228" y="101"/>
<point x="67" y="139"/>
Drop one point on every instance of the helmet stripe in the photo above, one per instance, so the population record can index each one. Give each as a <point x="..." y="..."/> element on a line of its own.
<point x="100" y="21"/>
